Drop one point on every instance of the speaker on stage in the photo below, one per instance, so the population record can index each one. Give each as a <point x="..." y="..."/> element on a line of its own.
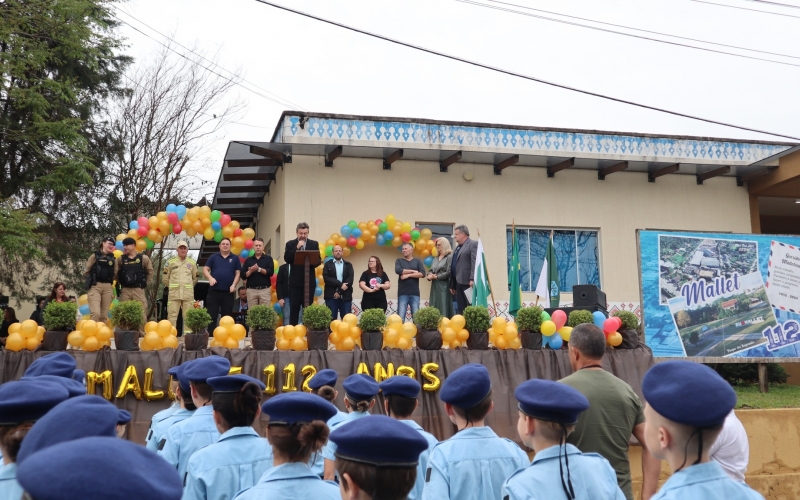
<point x="588" y="296"/>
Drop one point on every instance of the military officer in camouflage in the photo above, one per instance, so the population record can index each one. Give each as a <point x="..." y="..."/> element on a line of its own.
<point x="180" y="275"/>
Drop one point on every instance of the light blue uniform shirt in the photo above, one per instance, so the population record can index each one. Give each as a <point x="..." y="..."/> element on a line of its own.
<point x="9" y="487"/>
<point x="158" y="430"/>
<point x="473" y="464"/>
<point x="591" y="475"/>
<point x="293" y="481"/>
<point x="158" y="417"/>
<point x="707" y="482"/>
<point x="185" y="438"/>
<point x="329" y="450"/>
<point x="232" y="464"/>
<point x="416" y="492"/>
<point x="339" y="266"/>
<point x="317" y="462"/>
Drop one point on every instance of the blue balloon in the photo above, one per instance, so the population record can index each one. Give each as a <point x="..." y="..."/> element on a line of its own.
<point x="345" y="231"/>
<point x="388" y="236"/>
<point x="244" y="253"/>
<point x="555" y="341"/>
<point x="171" y="208"/>
<point x="598" y="318"/>
<point x="216" y="226"/>
<point x="119" y="246"/>
<point x="85" y="309"/>
<point x="356" y="233"/>
<point x="134" y="224"/>
<point x="318" y="291"/>
<point x="428" y="261"/>
<point x="379" y="240"/>
<point x="278" y="309"/>
<point x="181" y="211"/>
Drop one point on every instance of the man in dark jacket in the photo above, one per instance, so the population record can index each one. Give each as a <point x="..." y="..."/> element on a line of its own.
<point x="297" y="277"/>
<point x="462" y="271"/>
<point x="338" y="276"/>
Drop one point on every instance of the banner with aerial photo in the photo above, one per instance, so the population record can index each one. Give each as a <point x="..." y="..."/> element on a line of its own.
<point x="718" y="294"/>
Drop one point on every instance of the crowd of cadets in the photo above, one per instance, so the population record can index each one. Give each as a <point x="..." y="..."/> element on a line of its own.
<point x="59" y="443"/>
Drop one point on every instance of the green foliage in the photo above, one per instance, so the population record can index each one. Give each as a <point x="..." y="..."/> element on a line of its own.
<point x="427" y="318"/>
<point x="477" y="319"/>
<point x="262" y="317"/>
<point x="579" y="317"/>
<point x="372" y="320"/>
<point x="60" y="316"/>
<point x="19" y="245"/>
<point x="316" y="317"/>
<point x="779" y="396"/>
<point x="197" y="319"/>
<point x="747" y="373"/>
<point x="629" y="320"/>
<point x="529" y="319"/>
<point x="127" y="315"/>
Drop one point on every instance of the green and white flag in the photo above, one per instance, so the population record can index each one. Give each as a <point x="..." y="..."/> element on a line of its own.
<point x="480" y="287"/>
<point x="515" y="293"/>
<point x="548" y="285"/>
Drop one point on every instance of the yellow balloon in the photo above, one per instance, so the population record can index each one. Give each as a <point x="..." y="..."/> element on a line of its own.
<point x="462" y="335"/>
<point x="300" y="331"/>
<point x="409" y="330"/>
<point x="90" y="344"/>
<point x="390" y="336"/>
<point x="164" y="328"/>
<point x="500" y="342"/>
<point x="89" y="328"/>
<point x="75" y="338"/>
<point x="226" y="321"/>
<point x="548" y="328"/>
<point x="150" y="326"/>
<point x="615" y="339"/>
<point x="360" y="244"/>
<point x="14" y="327"/>
<point x="457" y="322"/>
<point x="499" y="325"/>
<point x="515" y="343"/>
<point x="403" y="343"/>
<point x="444" y="323"/>
<point x="15" y="342"/>
<point x="237" y="331"/>
<point x="455" y="344"/>
<point x="32" y="343"/>
<point x="355" y="332"/>
<point x="394" y="319"/>
<point x="347" y="344"/>
<point x="170" y="342"/>
<point x="334" y="337"/>
<point x="390" y="220"/>
<point x="351" y="319"/>
<point x="565" y="332"/>
<point x="448" y="335"/>
<point x="231" y="343"/>
<point x="297" y="344"/>
<point x="344" y="329"/>
<point x="221" y="333"/>
<point x="283" y="344"/>
<point x="335" y="325"/>
<point x="208" y="233"/>
<point x="248" y="233"/>
<point x="492" y="335"/>
<point x="289" y="332"/>
<point x="104" y="333"/>
<point x="141" y="245"/>
<point x="279" y="332"/>
<point x="118" y="253"/>
<point x="406" y="227"/>
<point x="510" y="334"/>
<point x="227" y="232"/>
<point x="151" y="339"/>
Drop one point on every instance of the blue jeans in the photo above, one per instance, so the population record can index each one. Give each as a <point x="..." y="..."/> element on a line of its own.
<point x="403" y="301"/>
<point x="287" y="311"/>
<point x="339" y="307"/>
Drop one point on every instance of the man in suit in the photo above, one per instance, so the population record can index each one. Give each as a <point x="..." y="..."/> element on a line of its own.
<point x="338" y="276"/>
<point x="282" y="291"/>
<point x="462" y="271"/>
<point x="297" y="272"/>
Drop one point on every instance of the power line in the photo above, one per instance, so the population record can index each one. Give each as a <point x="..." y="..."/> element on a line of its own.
<point x="520" y="75"/>
<point x="775" y="3"/>
<point x="745" y="8"/>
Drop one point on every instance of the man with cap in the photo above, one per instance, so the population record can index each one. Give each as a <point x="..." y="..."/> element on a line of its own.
<point x="322" y="384"/>
<point x="100" y="271"/>
<point x="548" y="412"/>
<point x="400" y="395"/>
<point x="686" y="407"/>
<point x="475" y="462"/>
<point x="134" y="272"/>
<point x="377" y="459"/>
<point x="98" y="467"/>
<point x="183" y="396"/>
<point x="180" y="276"/>
<point x="199" y="430"/>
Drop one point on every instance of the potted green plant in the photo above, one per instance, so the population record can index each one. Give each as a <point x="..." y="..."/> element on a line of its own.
<point x="529" y="322"/>
<point x="59" y="321"/>
<point x="372" y="322"/>
<point x="428" y="336"/>
<point x="579" y="317"/>
<point x="127" y="317"/>
<point x="317" y="318"/>
<point x="629" y="329"/>
<point x="477" y="323"/>
<point x="197" y="320"/>
<point x="262" y="320"/>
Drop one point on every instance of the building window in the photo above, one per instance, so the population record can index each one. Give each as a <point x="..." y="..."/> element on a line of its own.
<point x="577" y="255"/>
<point x="439" y="231"/>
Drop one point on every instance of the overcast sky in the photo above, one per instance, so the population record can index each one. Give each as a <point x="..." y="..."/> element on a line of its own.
<point x="327" y="69"/>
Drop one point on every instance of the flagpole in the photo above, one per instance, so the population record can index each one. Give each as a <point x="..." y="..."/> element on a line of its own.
<point x="489" y="280"/>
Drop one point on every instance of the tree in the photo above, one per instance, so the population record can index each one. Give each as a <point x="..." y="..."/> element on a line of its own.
<point x="683" y="319"/>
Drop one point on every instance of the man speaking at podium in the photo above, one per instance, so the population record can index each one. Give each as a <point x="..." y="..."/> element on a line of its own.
<point x="297" y="271"/>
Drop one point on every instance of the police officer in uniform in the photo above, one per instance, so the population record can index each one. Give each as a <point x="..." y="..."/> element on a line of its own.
<point x="101" y="268"/>
<point x="134" y="271"/>
<point x="180" y="275"/>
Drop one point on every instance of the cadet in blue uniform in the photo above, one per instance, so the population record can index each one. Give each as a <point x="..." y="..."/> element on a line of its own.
<point x="377" y="459"/>
<point x="98" y="467"/>
<point x="199" y="430"/>
<point x="548" y="412"/>
<point x="359" y="397"/>
<point x="400" y="400"/>
<point x="21" y="403"/>
<point x="475" y="462"/>
<point x="183" y="395"/>
<point x="174" y="407"/>
<point x="686" y="406"/>
<point x="322" y="384"/>
<point x="296" y="429"/>
<point x="241" y="456"/>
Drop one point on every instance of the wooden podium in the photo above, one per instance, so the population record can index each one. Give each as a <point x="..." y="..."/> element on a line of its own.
<point x="307" y="258"/>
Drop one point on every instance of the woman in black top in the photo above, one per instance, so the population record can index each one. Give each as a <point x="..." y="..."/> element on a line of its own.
<point x="9" y="318"/>
<point x="374" y="282"/>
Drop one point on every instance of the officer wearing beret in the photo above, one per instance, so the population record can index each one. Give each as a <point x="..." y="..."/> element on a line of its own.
<point x="296" y="429"/>
<point x="241" y="456"/>
<point x="322" y="384"/>
<point x="475" y="462"/>
<point x="199" y="430"/>
<point x="163" y="421"/>
<point x="98" y="467"/>
<point x="73" y="387"/>
<point x="359" y="397"/>
<point x="377" y="458"/>
<point x="686" y="406"/>
<point x="400" y="395"/>
<point x="166" y="412"/>
<point x="21" y="403"/>
<point x="548" y="412"/>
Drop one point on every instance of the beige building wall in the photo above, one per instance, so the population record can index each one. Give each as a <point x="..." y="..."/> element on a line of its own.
<point x="415" y="191"/>
<point x="271" y="216"/>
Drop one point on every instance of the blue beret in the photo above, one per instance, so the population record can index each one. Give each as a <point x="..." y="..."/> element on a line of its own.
<point x="467" y="386"/>
<point x="173" y="372"/>
<point x="74" y="387"/>
<point x="323" y="377"/>
<point x="551" y="401"/>
<point x="75" y="418"/>
<point x="79" y="376"/>
<point x="28" y="400"/>
<point x="202" y="369"/>
<point x="292" y="407"/>
<point x="232" y="383"/>
<point x="379" y="440"/>
<point x="401" y="386"/>
<point x="183" y="382"/>
<point x="124" y="417"/>
<point x="110" y="468"/>
<point x="59" y="364"/>
<point x="360" y="387"/>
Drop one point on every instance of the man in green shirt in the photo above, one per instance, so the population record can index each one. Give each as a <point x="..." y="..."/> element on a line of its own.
<point x="615" y="411"/>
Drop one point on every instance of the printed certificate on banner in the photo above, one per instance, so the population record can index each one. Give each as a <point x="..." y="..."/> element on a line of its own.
<point x="783" y="277"/>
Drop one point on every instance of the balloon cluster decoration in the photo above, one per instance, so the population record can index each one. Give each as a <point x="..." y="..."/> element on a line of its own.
<point x="398" y="334"/>
<point x="90" y="335"/>
<point x="504" y="334"/>
<point x="610" y="327"/>
<point x="291" y="338"/>
<point x="228" y="334"/>
<point x="26" y="335"/>
<point x="552" y="325"/>
<point x="453" y="332"/>
<point x="161" y="335"/>
<point x="345" y="333"/>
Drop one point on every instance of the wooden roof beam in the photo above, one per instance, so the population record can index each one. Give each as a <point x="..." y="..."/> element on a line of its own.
<point x="712" y="173"/>
<point x="558" y="167"/>
<point x="393" y="157"/>
<point x="279" y="156"/>
<point x="255" y="176"/>
<point x="655" y="174"/>
<point x="741" y="179"/>
<point x="617" y="167"/>
<point x="253" y="162"/>
<point x="511" y="160"/>
<point x="332" y="155"/>
<point x="453" y="158"/>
